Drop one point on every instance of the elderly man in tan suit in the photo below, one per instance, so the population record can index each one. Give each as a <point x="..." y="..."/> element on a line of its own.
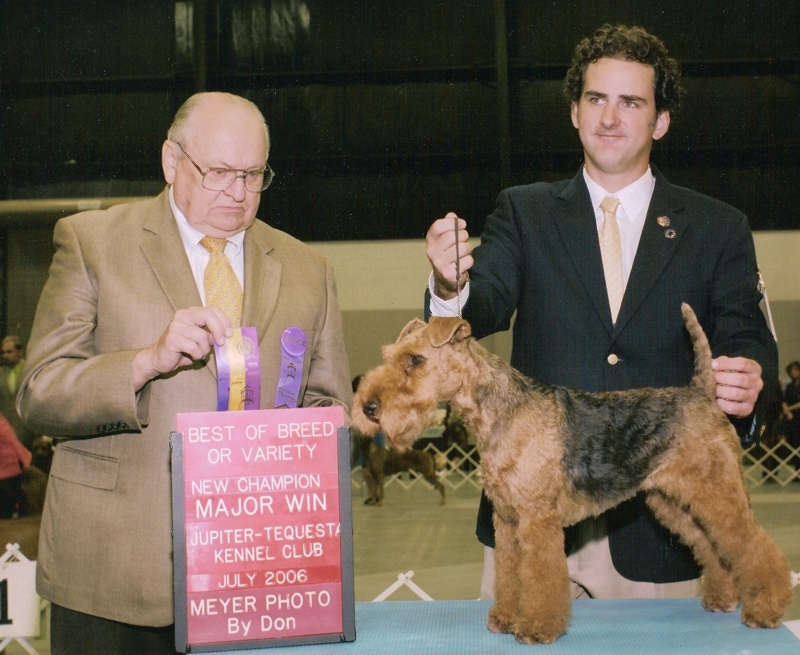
<point x="123" y="341"/>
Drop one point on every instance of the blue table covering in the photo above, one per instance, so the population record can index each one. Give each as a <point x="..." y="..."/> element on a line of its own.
<point x="599" y="627"/>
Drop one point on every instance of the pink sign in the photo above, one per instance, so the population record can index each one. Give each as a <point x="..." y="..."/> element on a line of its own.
<point x="263" y="548"/>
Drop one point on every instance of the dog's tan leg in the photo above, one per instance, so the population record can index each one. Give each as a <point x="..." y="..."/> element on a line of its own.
<point x="759" y="569"/>
<point x="503" y="612"/>
<point x="543" y="597"/>
<point x="373" y="473"/>
<point x="372" y="485"/>
<point x="430" y="476"/>
<point x="711" y="485"/>
<point x="440" y="487"/>
<point x="377" y="462"/>
<point x="719" y="592"/>
<point x="380" y="488"/>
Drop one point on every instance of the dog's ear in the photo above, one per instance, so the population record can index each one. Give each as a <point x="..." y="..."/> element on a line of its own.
<point x="445" y="330"/>
<point x="415" y="324"/>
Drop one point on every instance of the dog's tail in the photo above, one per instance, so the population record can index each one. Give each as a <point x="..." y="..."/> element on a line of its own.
<point x="703" y="378"/>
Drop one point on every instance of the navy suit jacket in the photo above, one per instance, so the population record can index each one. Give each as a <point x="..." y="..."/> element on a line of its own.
<point x="539" y="258"/>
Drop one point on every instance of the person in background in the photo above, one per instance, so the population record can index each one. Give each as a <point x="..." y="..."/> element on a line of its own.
<point x="123" y="341"/>
<point x="13" y="357"/>
<point x="595" y="269"/>
<point x="791" y="411"/>
<point x="14" y="460"/>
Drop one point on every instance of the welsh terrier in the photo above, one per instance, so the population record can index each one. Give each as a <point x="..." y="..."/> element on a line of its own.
<point x="553" y="456"/>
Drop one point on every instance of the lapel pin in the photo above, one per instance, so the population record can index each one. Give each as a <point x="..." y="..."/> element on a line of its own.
<point x="663" y="221"/>
<point x="670" y="234"/>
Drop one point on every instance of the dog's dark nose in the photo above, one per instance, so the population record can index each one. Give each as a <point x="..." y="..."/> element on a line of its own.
<point x="371" y="409"/>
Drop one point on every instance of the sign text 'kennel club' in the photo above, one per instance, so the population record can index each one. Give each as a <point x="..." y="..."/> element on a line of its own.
<point x="263" y="556"/>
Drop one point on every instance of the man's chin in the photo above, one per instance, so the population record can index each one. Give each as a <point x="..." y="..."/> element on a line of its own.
<point x="225" y="223"/>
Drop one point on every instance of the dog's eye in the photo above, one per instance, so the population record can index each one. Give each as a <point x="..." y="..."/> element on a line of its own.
<point x="412" y="362"/>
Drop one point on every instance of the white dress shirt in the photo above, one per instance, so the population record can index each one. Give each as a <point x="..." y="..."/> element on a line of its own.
<point x="198" y="255"/>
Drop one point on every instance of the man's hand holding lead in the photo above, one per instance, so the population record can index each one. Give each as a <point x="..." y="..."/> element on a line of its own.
<point x="441" y="250"/>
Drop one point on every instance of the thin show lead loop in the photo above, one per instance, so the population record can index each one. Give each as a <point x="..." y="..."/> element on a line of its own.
<point x="458" y="271"/>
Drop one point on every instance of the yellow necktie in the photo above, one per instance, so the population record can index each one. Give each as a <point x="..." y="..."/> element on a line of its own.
<point x="221" y="284"/>
<point x="611" y="251"/>
<point x="12" y="379"/>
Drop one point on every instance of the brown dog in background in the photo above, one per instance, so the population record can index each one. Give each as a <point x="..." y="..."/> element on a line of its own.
<point x="381" y="462"/>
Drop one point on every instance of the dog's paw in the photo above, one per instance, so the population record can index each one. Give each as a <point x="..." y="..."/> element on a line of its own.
<point x="534" y="637"/>
<point x="529" y="632"/>
<point x="766" y="610"/>
<point x="500" y="620"/>
<point x="714" y="602"/>
<point x="719" y="593"/>
<point x="759" y="620"/>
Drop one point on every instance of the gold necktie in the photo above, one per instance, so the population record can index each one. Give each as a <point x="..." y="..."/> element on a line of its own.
<point x="611" y="251"/>
<point x="11" y="379"/>
<point x="221" y="284"/>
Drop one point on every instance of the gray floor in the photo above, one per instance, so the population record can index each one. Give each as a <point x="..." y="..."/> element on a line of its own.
<point x="411" y="532"/>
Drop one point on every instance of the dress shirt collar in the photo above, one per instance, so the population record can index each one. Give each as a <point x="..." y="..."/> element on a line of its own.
<point x="634" y="198"/>
<point x="191" y="237"/>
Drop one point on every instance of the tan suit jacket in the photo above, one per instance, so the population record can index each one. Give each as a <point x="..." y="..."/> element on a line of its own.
<point x="116" y="280"/>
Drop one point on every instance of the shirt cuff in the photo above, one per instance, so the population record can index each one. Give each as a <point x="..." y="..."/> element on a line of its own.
<point x="439" y="307"/>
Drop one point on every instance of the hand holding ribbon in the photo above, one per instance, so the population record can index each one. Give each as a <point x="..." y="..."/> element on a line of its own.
<point x="189" y="337"/>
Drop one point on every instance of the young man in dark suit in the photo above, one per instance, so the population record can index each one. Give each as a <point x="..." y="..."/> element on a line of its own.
<point x="543" y="258"/>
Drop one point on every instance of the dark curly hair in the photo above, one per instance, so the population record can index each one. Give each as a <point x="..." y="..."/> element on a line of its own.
<point x="627" y="44"/>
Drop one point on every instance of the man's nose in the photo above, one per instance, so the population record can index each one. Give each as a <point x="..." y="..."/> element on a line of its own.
<point x="610" y="115"/>
<point x="237" y="190"/>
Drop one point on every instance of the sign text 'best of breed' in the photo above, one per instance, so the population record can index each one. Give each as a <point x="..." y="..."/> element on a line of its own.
<point x="263" y="529"/>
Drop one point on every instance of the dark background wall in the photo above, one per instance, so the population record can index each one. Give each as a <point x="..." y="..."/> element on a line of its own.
<point x="386" y="114"/>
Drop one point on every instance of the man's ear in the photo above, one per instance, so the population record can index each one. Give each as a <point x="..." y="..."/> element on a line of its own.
<point x="662" y="125"/>
<point x="169" y="161"/>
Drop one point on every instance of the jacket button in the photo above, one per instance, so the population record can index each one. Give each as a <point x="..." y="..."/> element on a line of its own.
<point x="612" y="359"/>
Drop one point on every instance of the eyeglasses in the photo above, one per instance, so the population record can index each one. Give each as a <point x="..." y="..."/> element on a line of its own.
<point x="219" y="179"/>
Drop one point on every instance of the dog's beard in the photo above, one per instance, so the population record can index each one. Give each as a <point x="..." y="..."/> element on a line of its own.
<point x="401" y="421"/>
<point x="402" y="432"/>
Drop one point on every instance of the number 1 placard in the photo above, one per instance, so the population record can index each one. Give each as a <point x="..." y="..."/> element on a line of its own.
<point x="19" y="604"/>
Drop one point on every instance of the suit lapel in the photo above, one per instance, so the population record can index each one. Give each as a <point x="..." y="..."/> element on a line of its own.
<point x="664" y="227"/>
<point x="576" y="224"/>
<point x="262" y="279"/>
<point x="163" y="248"/>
